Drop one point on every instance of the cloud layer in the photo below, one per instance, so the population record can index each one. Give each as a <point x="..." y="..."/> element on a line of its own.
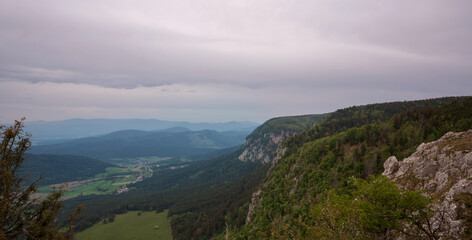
<point x="223" y="60"/>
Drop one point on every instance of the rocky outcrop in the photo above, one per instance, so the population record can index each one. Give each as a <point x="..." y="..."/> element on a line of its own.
<point x="265" y="145"/>
<point x="255" y="200"/>
<point x="262" y="143"/>
<point x="443" y="169"/>
<point x="262" y="149"/>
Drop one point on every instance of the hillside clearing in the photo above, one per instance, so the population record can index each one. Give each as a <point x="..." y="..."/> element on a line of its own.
<point x="131" y="225"/>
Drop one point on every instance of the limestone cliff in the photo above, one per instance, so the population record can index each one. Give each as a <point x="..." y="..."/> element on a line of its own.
<point x="443" y="169"/>
<point x="262" y="143"/>
<point x="262" y="149"/>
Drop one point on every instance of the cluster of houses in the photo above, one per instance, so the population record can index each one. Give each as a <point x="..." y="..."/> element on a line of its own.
<point x="124" y="188"/>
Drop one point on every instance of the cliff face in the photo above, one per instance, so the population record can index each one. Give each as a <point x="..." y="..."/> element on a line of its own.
<point x="262" y="149"/>
<point x="262" y="143"/>
<point x="443" y="169"/>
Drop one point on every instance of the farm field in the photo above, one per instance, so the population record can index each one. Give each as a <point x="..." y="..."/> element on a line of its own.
<point x="131" y="225"/>
<point x="138" y="161"/>
<point x="103" y="183"/>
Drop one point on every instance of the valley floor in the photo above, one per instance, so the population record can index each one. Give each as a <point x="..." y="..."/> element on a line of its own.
<point x="114" y="180"/>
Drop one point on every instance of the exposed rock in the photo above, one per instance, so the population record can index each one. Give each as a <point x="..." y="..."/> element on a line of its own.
<point x="262" y="149"/>
<point x="391" y="165"/>
<point x="256" y="196"/>
<point x="254" y="201"/>
<point x="262" y="143"/>
<point x="265" y="145"/>
<point x="443" y="169"/>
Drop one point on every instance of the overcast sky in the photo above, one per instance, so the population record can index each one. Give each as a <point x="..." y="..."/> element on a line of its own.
<point x="226" y="60"/>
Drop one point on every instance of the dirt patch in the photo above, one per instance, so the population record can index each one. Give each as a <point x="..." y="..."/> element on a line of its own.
<point x="73" y="185"/>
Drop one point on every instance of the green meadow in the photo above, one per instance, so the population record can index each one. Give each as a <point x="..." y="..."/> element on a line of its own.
<point x="138" y="160"/>
<point x="103" y="183"/>
<point x="131" y="225"/>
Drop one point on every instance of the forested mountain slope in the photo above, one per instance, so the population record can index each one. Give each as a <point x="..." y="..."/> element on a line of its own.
<point x="52" y="169"/>
<point x="357" y="116"/>
<point x="338" y="148"/>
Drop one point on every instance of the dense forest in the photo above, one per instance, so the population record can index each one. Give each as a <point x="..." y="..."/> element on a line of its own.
<point x="316" y="162"/>
<point x="52" y="169"/>
<point x="358" y="116"/>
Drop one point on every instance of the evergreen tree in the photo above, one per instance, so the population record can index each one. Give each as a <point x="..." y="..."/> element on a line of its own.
<point x="21" y="215"/>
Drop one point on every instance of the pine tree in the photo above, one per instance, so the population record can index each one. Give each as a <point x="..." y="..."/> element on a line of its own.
<point x="21" y="215"/>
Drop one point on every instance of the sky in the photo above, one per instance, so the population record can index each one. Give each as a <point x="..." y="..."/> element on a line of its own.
<point x="212" y="61"/>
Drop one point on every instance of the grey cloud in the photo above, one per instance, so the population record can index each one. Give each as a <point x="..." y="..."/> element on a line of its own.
<point x="250" y="44"/>
<point x="316" y="51"/>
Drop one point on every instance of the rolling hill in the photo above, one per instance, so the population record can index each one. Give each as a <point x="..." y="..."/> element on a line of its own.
<point x="136" y="143"/>
<point x="80" y="128"/>
<point x="61" y="168"/>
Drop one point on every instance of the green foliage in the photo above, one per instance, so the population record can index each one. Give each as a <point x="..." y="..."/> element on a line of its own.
<point x="383" y="207"/>
<point x="378" y="201"/>
<point x="292" y="124"/>
<point x="358" y="116"/>
<point x="374" y="209"/>
<point x="335" y="217"/>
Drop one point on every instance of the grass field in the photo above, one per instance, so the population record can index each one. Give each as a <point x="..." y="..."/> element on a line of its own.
<point x="130" y="226"/>
<point x="137" y="160"/>
<point x="103" y="183"/>
<point x="113" y="170"/>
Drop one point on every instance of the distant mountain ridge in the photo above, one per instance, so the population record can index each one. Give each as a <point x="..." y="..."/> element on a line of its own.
<point x="176" y="142"/>
<point x="80" y="128"/>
